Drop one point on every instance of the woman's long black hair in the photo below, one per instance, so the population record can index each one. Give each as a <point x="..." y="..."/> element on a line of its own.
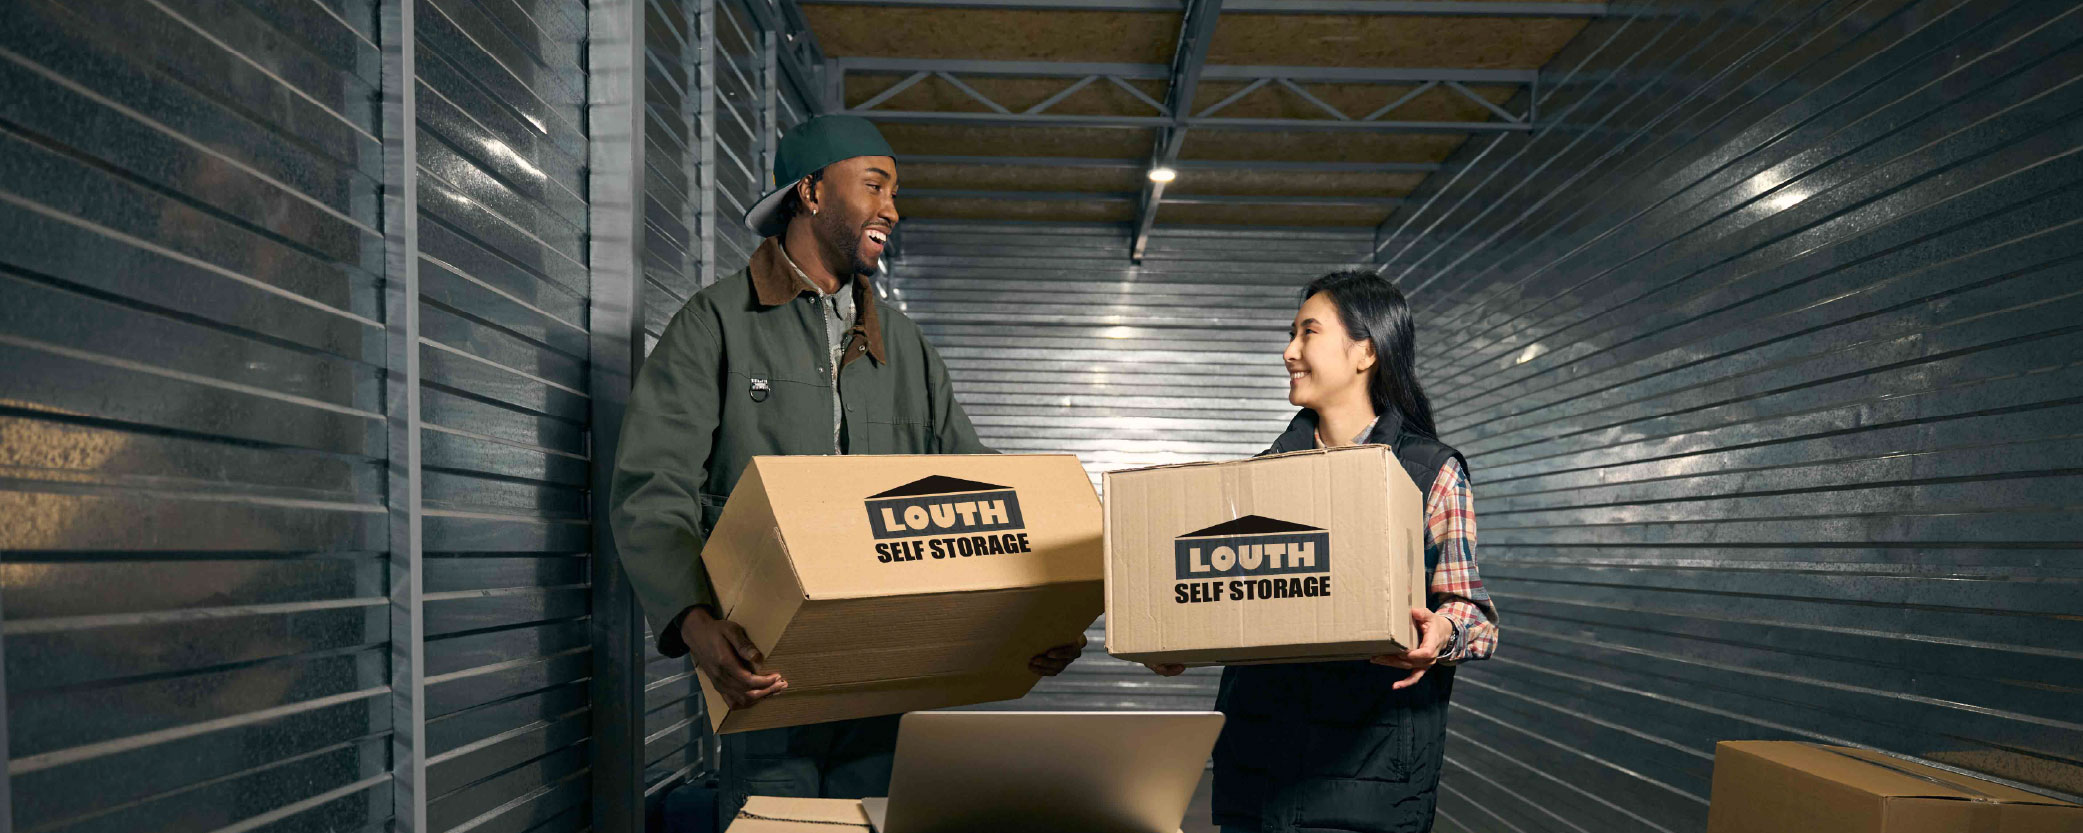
<point x="1373" y="309"/>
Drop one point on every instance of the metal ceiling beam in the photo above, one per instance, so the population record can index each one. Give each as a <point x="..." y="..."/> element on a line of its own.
<point x="1296" y="125"/>
<point x="1255" y="199"/>
<point x="1152" y="72"/>
<point x="1175" y="116"/>
<point x="1447" y="8"/>
<point x="1014" y="196"/>
<point x="1125" y="196"/>
<point x="1369" y="75"/>
<point x="1022" y="119"/>
<point x="1189" y="60"/>
<point x="1289" y="166"/>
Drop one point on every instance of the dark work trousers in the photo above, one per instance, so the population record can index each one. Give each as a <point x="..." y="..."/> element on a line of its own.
<point x="840" y="759"/>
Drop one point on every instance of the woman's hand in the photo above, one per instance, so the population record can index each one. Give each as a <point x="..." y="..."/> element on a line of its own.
<point x="1166" y="669"/>
<point x="1433" y="633"/>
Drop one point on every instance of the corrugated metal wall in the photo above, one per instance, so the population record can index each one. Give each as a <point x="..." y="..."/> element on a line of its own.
<point x="307" y="313"/>
<point x="505" y="294"/>
<point x="1765" y="356"/>
<point x="192" y="416"/>
<point x="1057" y="344"/>
<point x="678" y="98"/>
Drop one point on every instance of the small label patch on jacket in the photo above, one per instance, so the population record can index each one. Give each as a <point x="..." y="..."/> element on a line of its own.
<point x="759" y="390"/>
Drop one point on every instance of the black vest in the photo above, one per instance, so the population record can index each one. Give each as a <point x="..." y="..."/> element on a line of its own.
<point x="1328" y="745"/>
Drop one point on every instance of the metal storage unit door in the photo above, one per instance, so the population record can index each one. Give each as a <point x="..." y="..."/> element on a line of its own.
<point x="678" y="38"/>
<point x="504" y="285"/>
<point x="198" y="628"/>
<point x="1057" y="344"/>
<point x="192" y="416"/>
<point x="741" y="164"/>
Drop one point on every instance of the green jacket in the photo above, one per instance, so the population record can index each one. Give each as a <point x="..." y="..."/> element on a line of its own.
<point x="697" y="417"/>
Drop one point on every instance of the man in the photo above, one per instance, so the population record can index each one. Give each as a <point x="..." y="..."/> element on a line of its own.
<point x="790" y="355"/>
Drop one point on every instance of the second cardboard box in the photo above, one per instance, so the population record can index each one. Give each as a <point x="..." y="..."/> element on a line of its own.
<point x="1309" y="556"/>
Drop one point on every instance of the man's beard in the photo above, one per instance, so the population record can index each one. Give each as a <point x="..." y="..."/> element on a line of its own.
<point x="846" y="238"/>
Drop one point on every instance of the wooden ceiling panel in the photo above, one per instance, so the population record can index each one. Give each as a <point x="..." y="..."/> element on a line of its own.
<point x="999" y="35"/>
<point x="1390" y="41"/>
<point x="1350" y="41"/>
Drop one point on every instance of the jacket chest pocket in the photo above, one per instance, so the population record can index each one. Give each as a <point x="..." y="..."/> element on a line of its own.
<point x="776" y="413"/>
<point x="763" y="386"/>
<point x="884" y="414"/>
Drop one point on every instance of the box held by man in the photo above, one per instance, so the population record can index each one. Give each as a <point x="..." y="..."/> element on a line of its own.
<point x="884" y="584"/>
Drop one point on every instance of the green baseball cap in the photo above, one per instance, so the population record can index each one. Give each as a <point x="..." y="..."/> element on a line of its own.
<point x="806" y="149"/>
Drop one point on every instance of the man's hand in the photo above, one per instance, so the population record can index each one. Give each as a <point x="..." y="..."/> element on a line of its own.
<point x="1166" y="669"/>
<point x="726" y="656"/>
<point x="1433" y="633"/>
<point x="1051" y="662"/>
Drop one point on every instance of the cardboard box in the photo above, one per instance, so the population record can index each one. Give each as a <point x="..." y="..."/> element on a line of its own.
<point x="1778" y="786"/>
<point x="1315" y="555"/>
<point x="769" y="814"/>
<point x="886" y="584"/>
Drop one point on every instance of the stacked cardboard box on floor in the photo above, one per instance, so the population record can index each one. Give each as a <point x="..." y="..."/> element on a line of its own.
<point x="1315" y="555"/>
<point x="885" y="584"/>
<point x="1780" y="786"/>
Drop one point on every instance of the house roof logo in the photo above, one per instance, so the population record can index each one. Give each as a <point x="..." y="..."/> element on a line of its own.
<point x="1250" y="525"/>
<point x="942" y="505"/>
<point x="938" y="485"/>
<point x="1253" y="545"/>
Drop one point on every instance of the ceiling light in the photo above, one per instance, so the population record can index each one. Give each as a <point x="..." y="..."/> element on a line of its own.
<point x="1163" y="174"/>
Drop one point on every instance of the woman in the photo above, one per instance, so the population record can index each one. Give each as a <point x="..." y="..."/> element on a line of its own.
<point x="1357" y="746"/>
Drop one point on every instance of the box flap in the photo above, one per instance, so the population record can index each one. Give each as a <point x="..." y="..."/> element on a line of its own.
<point x="821" y="813"/>
<point x="1307" y="452"/>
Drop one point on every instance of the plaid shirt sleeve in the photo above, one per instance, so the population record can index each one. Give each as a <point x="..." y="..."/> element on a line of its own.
<point x="1457" y="587"/>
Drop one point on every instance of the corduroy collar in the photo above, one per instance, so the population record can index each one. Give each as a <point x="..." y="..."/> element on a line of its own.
<point x="774" y="284"/>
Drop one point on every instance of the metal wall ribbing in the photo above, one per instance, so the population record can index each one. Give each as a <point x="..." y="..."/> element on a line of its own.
<point x="192" y="416"/>
<point x="297" y="414"/>
<point x="1765" y="357"/>
<point x="317" y="319"/>
<point x="739" y="66"/>
<point x="678" y="99"/>
<point x="1057" y="344"/>
<point x="505" y="290"/>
